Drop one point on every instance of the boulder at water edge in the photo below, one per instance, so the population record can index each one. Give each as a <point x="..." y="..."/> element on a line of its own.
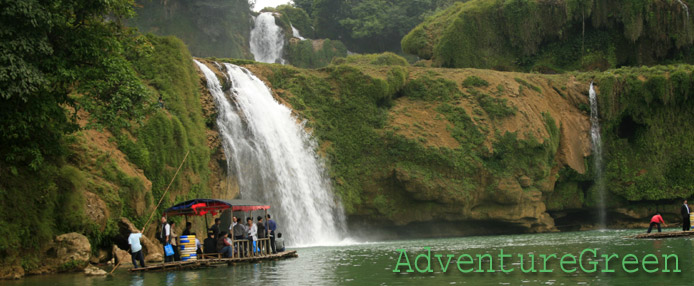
<point x="68" y="252"/>
<point x="92" y="270"/>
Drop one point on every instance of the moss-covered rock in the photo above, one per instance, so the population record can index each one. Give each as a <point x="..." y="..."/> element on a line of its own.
<point x="408" y="144"/>
<point x="647" y="131"/>
<point x="552" y="36"/>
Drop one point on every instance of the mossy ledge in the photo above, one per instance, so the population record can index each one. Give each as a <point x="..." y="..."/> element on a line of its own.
<point x="555" y="36"/>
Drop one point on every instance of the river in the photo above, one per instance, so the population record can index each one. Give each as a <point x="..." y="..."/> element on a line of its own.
<point x="372" y="263"/>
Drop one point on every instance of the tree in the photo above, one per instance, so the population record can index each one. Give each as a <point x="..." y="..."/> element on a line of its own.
<point x="49" y="50"/>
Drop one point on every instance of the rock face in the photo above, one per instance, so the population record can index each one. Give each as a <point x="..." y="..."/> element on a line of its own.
<point x="121" y="256"/>
<point x="68" y="252"/>
<point x="11" y="272"/>
<point x="459" y="148"/>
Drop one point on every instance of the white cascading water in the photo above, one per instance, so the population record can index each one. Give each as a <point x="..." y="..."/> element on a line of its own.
<point x="274" y="159"/>
<point x="596" y="139"/>
<point x="267" y="39"/>
<point x="295" y="34"/>
<point x="686" y="10"/>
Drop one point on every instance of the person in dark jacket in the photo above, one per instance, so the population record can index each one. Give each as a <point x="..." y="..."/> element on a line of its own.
<point x="684" y="211"/>
<point x="272" y="227"/>
<point x="189" y="229"/>
<point x="261" y="233"/>
<point x="215" y="228"/>
<point x="210" y="243"/>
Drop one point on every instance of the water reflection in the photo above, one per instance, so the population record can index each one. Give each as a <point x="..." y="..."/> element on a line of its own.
<point x="137" y="280"/>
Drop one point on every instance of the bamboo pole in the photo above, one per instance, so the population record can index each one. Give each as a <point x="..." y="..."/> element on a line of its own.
<point x="158" y="204"/>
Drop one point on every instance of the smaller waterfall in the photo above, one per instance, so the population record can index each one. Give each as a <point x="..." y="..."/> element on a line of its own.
<point x="686" y="10"/>
<point x="597" y="156"/>
<point x="267" y="39"/>
<point x="295" y="34"/>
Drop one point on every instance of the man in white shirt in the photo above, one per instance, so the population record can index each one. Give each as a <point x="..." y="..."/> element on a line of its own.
<point x="136" y="248"/>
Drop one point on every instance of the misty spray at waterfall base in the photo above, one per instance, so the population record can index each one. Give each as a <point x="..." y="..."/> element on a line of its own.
<point x="274" y="159"/>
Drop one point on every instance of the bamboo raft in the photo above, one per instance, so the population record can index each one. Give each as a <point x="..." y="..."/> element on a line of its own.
<point x="202" y="263"/>
<point x="668" y="234"/>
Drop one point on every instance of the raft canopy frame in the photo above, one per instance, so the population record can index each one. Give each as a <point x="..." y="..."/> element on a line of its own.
<point x="201" y="207"/>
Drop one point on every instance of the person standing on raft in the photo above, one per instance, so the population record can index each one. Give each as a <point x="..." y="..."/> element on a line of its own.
<point x="657" y="219"/>
<point x="684" y="211"/>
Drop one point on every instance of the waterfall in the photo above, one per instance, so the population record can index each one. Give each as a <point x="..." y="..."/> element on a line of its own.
<point x="267" y="39"/>
<point x="686" y="10"/>
<point x="275" y="160"/>
<point x="597" y="156"/>
<point x="295" y="34"/>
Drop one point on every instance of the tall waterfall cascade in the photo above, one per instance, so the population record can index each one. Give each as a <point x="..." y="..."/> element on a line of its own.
<point x="267" y="39"/>
<point x="274" y="159"/>
<point x="597" y="155"/>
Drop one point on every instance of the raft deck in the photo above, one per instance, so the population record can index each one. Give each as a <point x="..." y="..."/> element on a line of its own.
<point x="665" y="234"/>
<point x="202" y="263"/>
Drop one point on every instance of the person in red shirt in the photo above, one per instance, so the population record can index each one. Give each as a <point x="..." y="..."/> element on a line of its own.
<point x="656" y="220"/>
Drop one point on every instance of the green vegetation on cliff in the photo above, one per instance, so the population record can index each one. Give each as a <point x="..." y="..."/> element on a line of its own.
<point x="210" y="28"/>
<point x="382" y="160"/>
<point x="368" y="26"/>
<point x="551" y="36"/>
<point x="648" y="134"/>
<point x="88" y="88"/>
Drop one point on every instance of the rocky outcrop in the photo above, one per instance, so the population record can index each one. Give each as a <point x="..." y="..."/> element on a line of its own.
<point x="121" y="257"/>
<point x="11" y="271"/>
<point x="68" y="252"/>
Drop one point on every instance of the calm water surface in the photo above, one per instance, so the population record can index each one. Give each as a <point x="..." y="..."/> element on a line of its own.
<point x="373" y="263"/>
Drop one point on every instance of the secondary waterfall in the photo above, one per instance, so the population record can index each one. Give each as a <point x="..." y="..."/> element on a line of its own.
<point x="274" y="159"/>
<point x="295" y="34"/>
<point x="686" y="10"/>
<point x="597" y="155"/>
<point x="267" y="39"/>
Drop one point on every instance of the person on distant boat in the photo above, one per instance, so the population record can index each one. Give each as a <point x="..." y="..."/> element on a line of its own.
<point x="189" y="228"/>
<point x="279" y="242"/>
<point x="261" y="233"/>
<point x="210" y="243"/>
<point x="174" y="242"/>
<point x="239" y="231"/>
<point x="272" y="226"/>
<point x="215" y="228"/>
<point x="165" y="237"/>
<point x="657" y="219"/>
<point x="198" y="245"/>
<point x="136" y="248"/>
<point x="234" y="221"/>
<point x="252" y="234"/>
<point x="684" y="211"/>
<point x="224" y="245"/>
